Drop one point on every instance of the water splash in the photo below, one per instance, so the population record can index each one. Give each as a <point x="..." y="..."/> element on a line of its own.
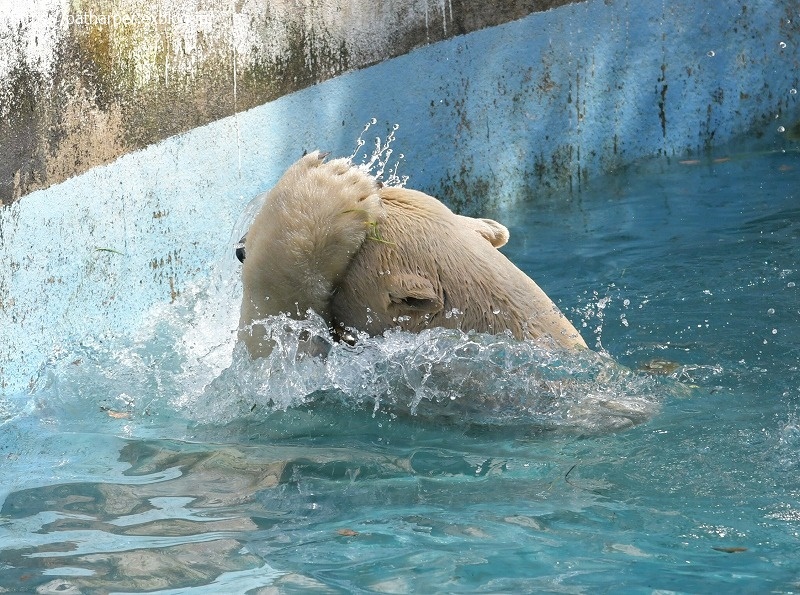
<point x="186" y="369"/>
<point x="592" y="315"/>
<point x="473" y="378"/>
<point x="378" y="162"/>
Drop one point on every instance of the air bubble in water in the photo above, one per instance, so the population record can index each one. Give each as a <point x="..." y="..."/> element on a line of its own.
<point x="771" y="311"/>
<point x="792" y="91"/>
<point x="711" y="53"/>
<point x="782" y="45"/>
<point x="781" y="129"/>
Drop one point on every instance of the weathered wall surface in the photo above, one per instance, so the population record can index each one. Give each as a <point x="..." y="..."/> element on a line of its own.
<point x="86" y="81"/>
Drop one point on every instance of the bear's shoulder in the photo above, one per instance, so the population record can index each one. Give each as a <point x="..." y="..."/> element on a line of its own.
<point x="409" y="203"/>
<point x="408" y="200"/>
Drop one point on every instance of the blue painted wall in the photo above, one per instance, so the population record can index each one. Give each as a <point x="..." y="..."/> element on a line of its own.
<point x="545" y="104"/>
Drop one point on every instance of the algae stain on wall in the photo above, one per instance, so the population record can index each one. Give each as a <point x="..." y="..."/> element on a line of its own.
<point x="85" y="81"/>
<point x="123" y="75"/>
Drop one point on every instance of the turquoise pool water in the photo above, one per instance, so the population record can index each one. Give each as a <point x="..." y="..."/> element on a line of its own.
<point x="166" y="462"/>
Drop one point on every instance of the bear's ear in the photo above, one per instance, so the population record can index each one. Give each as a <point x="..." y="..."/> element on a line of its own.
<point x="490" y="230"/>
<point x="496" y="233"/>
<point x="414" y="293"/>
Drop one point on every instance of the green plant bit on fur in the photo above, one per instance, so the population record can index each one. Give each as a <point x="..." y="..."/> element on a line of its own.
<point x="375" y="235"/>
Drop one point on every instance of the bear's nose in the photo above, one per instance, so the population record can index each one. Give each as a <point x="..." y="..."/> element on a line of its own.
<point x="239" y="247"/>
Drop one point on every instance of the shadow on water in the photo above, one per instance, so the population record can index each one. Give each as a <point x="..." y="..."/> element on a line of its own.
<point x="204" y="513"/>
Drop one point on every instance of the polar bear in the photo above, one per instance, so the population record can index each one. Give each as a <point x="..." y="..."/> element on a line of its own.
<point x="367" y="258"/>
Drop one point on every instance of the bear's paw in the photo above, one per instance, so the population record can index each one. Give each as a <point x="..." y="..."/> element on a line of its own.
<point x="311" y="225"/>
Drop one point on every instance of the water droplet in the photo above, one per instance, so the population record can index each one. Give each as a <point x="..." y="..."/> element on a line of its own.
<point x="626" y="302"/>
<point x="781" y="129"/>
<point x="774" y="331"/>
<point x="782" y="45"/>
<point x="792" y="91"/>
<point x="495" y="310"/>
<point x="373" y="121"/>
<point x="790" y="284"/>
<point x="711" y="53"/>
<point x="771" y="311"/>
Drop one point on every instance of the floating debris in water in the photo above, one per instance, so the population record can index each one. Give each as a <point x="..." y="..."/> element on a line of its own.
<point x="659" y="366"/>
<point x="730" y="550"/>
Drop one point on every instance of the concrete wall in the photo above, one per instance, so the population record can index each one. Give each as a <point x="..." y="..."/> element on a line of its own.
<point x="86" y="81"/>
<point x="545" y="103"/>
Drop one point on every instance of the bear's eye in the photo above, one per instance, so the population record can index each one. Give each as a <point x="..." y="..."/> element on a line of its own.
<point x="420" y="304"/>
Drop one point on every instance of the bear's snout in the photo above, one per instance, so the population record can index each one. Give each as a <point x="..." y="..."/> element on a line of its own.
<point x="239" y="248"/>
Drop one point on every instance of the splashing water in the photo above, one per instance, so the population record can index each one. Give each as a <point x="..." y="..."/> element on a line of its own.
<point x="439" y="375"/>
<point x="593" y="313"/>
<point x="377" y="163"/>
<point x="186" y="368"/>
